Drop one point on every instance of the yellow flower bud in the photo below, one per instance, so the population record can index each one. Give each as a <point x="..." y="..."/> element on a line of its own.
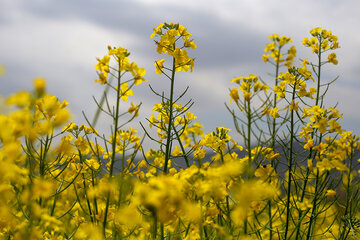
<point x="39" y="85"/>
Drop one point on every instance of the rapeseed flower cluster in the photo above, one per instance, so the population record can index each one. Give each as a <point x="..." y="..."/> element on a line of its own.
<point x="170" y="34"/>
<point x="273" y="51"/>
<point x="248" y="86"/>
<point x="121" y="57"/>
<point x="296" y="177"/>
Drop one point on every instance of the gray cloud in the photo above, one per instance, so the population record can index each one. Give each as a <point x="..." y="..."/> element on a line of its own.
<point x="60" y="40"/>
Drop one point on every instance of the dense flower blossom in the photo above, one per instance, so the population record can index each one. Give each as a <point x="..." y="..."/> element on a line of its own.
<point x="169" y="34"/>
<point x="63" y="180"/>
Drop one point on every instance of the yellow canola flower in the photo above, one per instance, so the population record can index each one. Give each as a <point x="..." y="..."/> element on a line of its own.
<point x="266" y="173"/>
<point x="199" y="153"/>
<point x="89" y="231"/>
<point x="92" y="163"/>
<point x="176" y="151"/>
<point x="262" y="87"/>
<point x="335" y="127"/>
<point x="315" y="31"/>
<point x="332" y="58"/>
<point x="330" y="193"/>
<point x="273" y="36"/>
<point x="283" y="40"/>
<point x="159" y="65"/>
<point x="40" y="85"/>
<point x="270" y="47"/>
<point x="119" y="52"/>
<point x="321" y="119"/>
<point x="234" y="95"/>
<point x="236" y="80"/>
<point x="274" y="50"/>
<point x="134" y="109"/>
<point x="157" y="31"/>
<point x="306" y="42"/>
<point x="42" y="188"/>
<point x="265" y="57"/>
<point x="248" y="85"/>
<point x="125" y="92"/>
<point x="321" y="124"/>
<point x="248" y="192"/>
<point x="304" y="62"/>
<point x="128" y="216"/>
<point x="280" y="90"/>
<point x="272" y="111"/>
<point x="291" y="56"/>
<point x="82" y="145"/>
<point x="247" y="96"/>
<point x="50" y="105"/>
<point x="189" y="44"/>
<point x="294" y="106"/>
<point x="52" y="111"/>
<point x="325" y="44"/>
<point x="169" y="44"/>
<point x="123" y="64"/>
<point x="65" y="146"/>
<point x="87" y="130"/>
<point x="322" y="40"/>
<point x="305" y="204"/>
<point x="21" y="99"/>
<point x="138" y="73"/>
<point x="309" y="144"/>
<point x="182" y="61"/>
<point x="2" y="70"/>
<point x="103" y="67"/>
<point x="70" y="127"/>
<point x="165" y="190"/>
<point x="334" y="113"/>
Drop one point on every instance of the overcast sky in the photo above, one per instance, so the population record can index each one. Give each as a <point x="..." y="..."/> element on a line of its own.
<point x="60" y="40"/>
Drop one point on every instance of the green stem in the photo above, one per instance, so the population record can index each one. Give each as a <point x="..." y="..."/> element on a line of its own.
<point x="168" y="137"/>
<point x="116" y="122"/>
<point x="182" y="148"/>
<point x="98" y="110"/>
<point x="290" y="162"/>
<point x="123" y="158"/>
<point x="274" y="119"/>
<point x="154" y="230"/>
<point x="348" y="205"/>
<point x="313" y="212"/>
<point x="43" y="152"/>
<point x="318" y="74"/>
<point x="162" y="233"/>
<point x="93" y="185"/>
<point x="312" y="136"/>
<point x="228" y="213"/>
<point x="245" y="225"/>
<point x="248" y="110"/>
<point x="317" y="174"/>
<point x="273" y="144"/>
<point x="248" y="140"/>
<point x="270" y="221"/>
<point x="87" y="199"/>
<point x="85" y="191"/>
<point x="301" y="199"/>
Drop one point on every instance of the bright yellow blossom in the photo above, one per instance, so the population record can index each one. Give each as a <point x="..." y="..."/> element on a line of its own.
<point x="40" y="85"/>
<point x="125" y="92"/>
<point x="332" y="58"/>
<point x="234" y="94"/>
<point x="159" y="65"/>
<point x="2" y="70"/>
